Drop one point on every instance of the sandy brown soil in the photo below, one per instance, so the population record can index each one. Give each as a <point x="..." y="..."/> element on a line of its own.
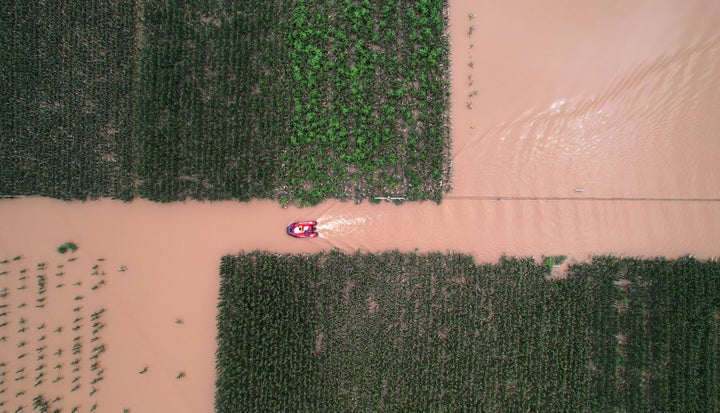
<point x="585" y="104"/>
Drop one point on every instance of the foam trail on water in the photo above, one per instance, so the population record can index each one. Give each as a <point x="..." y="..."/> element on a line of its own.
<point x="339" y="223"/>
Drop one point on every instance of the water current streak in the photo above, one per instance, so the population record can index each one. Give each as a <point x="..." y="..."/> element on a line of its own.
<point x="568" y="198"/>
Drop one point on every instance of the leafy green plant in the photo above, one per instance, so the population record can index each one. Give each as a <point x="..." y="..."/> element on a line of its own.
<point x="553" y="260"/>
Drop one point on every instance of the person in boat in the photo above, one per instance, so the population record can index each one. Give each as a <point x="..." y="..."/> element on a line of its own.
<point x="298" y="229"/>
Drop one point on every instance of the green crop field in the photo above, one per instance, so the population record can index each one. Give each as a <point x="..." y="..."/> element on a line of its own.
<point x="213" y="100"/>
<point x="409" y="332"/>
<point x="167" y="100"/>
<point x="66" y="76"/>
<point x="369" y="114"/>
<point x="655" y="330"/>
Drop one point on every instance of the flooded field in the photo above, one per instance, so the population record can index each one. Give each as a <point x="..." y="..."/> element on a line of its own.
<point x="577" y="130"/>
<point x="614" y="100"/>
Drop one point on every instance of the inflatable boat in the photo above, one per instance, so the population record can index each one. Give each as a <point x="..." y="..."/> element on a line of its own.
<point x="302" y="229"/>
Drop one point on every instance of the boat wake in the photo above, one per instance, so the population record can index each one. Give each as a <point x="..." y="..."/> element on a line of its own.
<point x="339" y="224"/>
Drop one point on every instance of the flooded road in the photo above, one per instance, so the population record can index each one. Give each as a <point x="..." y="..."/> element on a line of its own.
<point x="577" y="129"/>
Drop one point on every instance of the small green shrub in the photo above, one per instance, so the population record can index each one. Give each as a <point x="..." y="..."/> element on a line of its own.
<point x="67" y="246"/>
<point x="553" y="260"/>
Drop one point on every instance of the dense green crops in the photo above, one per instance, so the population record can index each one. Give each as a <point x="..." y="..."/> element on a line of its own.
<point x="408" y="332"/>
<point x="66" y="76"/>
<point x="370" y="103"/>
<point x="655" y="334"/>
<point x="293" y="100"/>
<point x="213" y="99"/>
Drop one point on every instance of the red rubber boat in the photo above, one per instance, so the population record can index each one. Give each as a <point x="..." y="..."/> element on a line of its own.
<point x="302" y="229"/>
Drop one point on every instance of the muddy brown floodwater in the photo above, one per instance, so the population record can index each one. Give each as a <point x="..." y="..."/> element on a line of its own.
<point x="578" y="128"/>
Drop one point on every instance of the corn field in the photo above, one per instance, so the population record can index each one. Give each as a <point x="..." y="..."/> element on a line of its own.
<point x="293" y="100"/>
<point x="66" y="76"/>
<point x="409" y="332"/>
<point x="655" y="332"/>
<point x="372" y="94"/>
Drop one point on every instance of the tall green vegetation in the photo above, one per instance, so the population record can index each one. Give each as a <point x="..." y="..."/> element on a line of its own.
<point x="370" y="100"/>
<point x="66" y="76"/>
<point x="299" y="100"/>
<point x="167" y="100"/>
<point x="654" y="334"/>
<point x="213" y="99"/>
<point x="409" y="332"/>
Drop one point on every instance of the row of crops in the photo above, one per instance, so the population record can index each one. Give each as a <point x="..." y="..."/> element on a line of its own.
<point x="167" y="100"/>
<point x="410" y="332"/>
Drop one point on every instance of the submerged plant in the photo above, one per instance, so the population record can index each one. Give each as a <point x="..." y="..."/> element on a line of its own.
<point x="39" y="403"/>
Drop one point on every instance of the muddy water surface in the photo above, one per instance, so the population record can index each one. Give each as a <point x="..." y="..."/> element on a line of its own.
<point x="577" y="129"/>
<point x="617" y="99"/>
